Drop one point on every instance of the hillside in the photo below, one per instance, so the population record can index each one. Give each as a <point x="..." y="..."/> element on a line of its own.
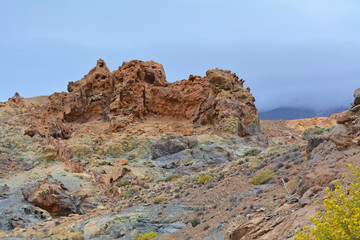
<point x="291" y="113"/>
<point x="126" y="153"/>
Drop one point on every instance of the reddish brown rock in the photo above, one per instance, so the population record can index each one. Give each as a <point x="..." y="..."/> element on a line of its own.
<point x="345" y="116"/>
<point x="52" y="196"/>
<point x="75" y="165"/>
<point x="16" y="100"/>
<point x="347" y="132"/>
<point x="139" y="90"/>
<point x="356" y="92"/>
<point x="119" y="171"/>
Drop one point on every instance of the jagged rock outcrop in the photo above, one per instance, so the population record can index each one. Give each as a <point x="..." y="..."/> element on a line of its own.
<point x="347" y="132"/>
<point x="16" y="100"/>
<point x="139" y="90"/>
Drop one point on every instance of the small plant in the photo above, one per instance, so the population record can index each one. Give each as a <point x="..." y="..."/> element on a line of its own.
<point x="340" y="218"/>
<point x="171" y="177"/>
<point x="274" y="149"/>
<point x="158" y="200"/>
<point x="195" y="222"/>
<point x="262" y="177"/>
<point x="308" y="133"/>
<point x="147" y="236"/>
<point x="131" y="192"/>
<point x="203" y="179"/>
<point x="252" y="152"/>
<point x="123" y="183"/>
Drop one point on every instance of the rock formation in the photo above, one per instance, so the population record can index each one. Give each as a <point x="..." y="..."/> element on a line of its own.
<point x="139" y="90"/>
<point x="347" y="132"/>
<point x="52" y="196"/>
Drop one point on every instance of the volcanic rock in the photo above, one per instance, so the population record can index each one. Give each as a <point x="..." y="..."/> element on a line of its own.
<point x="139" y="90"/>
<point x="16" y="100"/>
<point x="345" y="117"/>
<point x="172" y="143"/>
<point x="52" y="196"/>
<point x="4" y="191"/>
<point x="356" y="92"/>
<point x="348" y="130"/>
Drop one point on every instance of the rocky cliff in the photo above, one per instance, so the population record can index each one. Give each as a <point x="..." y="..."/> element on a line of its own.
<point x="138" y="90"/>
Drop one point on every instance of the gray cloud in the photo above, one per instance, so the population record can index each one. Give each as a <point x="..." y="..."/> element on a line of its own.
<point x="302" y="53"/>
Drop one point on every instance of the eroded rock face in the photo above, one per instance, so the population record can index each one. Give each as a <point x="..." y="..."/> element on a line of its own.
<point x="139" y="90"/>
<point x="16" y="100"/>
<point x="347" y="132"/>
<point x="52" y="196"/>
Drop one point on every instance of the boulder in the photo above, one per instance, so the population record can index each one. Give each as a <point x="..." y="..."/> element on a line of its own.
<point x="345" y="117"/>
<point x="119" y="171"/>
<point x="52" y="196"/>
<point x="170" y="144"/>
<point x="340" y="135"/>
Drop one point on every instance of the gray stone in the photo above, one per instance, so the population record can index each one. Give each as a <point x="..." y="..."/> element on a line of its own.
<point x="356" y="92"/>
<point x="357" y="100"/>
<point x="340" y="135"/>
<point x="355" y="108"/>
<point x="170" y="144"/>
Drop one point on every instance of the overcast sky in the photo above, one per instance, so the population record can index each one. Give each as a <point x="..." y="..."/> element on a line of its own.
<point x="290" y="53"/>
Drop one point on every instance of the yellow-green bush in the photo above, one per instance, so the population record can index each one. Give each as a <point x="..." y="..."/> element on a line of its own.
<point x="158" y="200"/>
<point x="203" y="179"/>
<point x="147" y="236"/>
<point x="262" y="177"/>
<point x="340" y="218"/>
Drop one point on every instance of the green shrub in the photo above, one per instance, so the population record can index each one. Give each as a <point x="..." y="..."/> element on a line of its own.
<point x="308" y="133"/>
<point x="147" y="236"/>
<point x="195" y="222"/>
<point x="204" y="178"/>
<point x="123" y="183"/>
<point x="131" y="192"/>
<point x="171" y="177"/>
<point x="262" y="177"/>
<point x="252" y="152"/>
<point x="158" y="200"/>
<point x="274" y="149"/>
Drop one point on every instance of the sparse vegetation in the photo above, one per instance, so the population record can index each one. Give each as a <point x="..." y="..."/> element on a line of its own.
<point x="158" y="200"/>
<point x="130" y="193"/>
<point x="123" y="183"/>
<point x="203" y="179"/>
<point x="171" y="177"/>
<point x="274" y="149"/>
<point x="195" y="222"/>
<point x="262" y="177"/>
<point x="147" y="236"/>
<point x="340" y="218"/>
<point x="314" y="132"/>
<point x="252" y="152"/>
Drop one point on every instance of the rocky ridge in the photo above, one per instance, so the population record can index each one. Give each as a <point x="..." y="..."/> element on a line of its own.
<point x="139" y="90"/>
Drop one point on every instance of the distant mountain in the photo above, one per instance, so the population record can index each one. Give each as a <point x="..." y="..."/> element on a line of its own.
<point x="289" y="113"/>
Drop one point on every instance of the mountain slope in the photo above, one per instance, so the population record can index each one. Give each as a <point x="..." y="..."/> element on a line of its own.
<point x="290" y="113"/>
